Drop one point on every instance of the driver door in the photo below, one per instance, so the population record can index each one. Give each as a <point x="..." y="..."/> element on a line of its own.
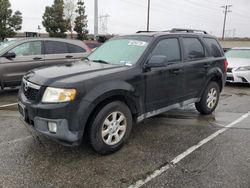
<point x="29" y="55"/>
<point x="165" y="85"/>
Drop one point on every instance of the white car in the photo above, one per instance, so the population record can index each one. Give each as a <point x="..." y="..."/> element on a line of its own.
<point x="238" y="65"/>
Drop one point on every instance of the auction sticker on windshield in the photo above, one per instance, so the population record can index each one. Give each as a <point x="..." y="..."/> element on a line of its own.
<point x="137" y="43"/>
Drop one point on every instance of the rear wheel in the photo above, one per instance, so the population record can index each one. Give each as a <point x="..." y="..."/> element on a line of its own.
<point x="209" y="99"/>
<point x="111" y="128"/>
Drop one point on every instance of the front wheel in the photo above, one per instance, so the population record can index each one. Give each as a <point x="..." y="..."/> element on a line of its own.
<point x="111" y="128"/>
<point x="209" y="99"/>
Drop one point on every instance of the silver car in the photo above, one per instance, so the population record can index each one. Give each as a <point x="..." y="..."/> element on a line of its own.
<point x="17" y="57"/>
<point x="238" y="65"/>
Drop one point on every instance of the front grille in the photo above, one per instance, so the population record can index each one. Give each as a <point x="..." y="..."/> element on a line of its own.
<point x="30" y="90"/>
<point x="31" y="94"/>
<point x="230" y="78"/>
<point x="229" y="69"/>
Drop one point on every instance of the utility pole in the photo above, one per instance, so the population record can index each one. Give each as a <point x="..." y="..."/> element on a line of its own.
<point x="226" y="7"/>
<point x="96" y="19"/>
<point x="148" y="15"/>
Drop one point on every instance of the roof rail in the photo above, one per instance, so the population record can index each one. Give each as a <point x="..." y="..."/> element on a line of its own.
<point x="145" y="31"/>
<point x="174" y="30"/>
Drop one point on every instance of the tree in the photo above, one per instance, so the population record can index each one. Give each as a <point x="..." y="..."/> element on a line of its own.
<point x="69" y="11"/>
<point x="81" y="21"/>
<point x="9" y="23"/>
<point x="53" y="20"/>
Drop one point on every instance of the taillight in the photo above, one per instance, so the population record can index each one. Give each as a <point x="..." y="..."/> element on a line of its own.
<point x="225" y="65"/>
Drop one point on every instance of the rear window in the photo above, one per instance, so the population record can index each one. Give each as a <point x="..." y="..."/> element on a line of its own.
<point x="54" y="47"/>
<point x="193" y="49"/>
<point x="75" y="49"/>
<point x="214" y="47"/>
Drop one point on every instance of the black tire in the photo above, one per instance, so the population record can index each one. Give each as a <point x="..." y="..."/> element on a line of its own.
<point x="203" y="106"/>
<point x="96" y="131"/>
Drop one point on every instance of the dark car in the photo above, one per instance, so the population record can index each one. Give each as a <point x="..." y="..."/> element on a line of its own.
<point x="92" y="44"/>
<point x="126" y="80"/>
<point x="17" y="57"/>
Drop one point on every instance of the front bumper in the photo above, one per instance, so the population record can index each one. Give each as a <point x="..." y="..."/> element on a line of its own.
<point x="238" y="76"/>
<point x="67" y="117"/>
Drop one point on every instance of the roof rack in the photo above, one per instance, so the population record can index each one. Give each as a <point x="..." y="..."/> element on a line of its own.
<point x="175" y="30"/>
<point x="145" y="31"/>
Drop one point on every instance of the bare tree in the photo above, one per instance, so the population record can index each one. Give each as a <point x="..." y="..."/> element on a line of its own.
<point x="69" y="12"/>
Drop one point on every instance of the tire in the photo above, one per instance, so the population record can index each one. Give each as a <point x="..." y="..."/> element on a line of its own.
<point x="110" y="128"/>
<point x="209" y="99"/>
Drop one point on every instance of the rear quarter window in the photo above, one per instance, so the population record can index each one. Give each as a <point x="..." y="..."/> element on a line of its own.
<point x="75" y="49"/>
<point x="214" y="47"/>
<point x="193" y="49"/>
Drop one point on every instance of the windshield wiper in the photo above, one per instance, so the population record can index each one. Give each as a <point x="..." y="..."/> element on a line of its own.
<point x="100" y="61"/>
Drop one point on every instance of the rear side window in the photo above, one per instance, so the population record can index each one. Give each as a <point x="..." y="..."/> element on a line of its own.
<point x="193" y="49"/>
<point x="169" y="48"/>
<point x="75" y="49"/>
<point x="214" y="47"/>
<point x="54" y="47"/>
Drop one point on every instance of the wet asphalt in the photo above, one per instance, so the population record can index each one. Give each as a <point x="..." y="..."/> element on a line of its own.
<point x="28" y="159"/>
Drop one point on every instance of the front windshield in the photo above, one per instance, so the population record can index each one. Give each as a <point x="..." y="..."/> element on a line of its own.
<point x="238" y="53"/>
<point x="121" y="51"/>
<point x="6" y="44"/>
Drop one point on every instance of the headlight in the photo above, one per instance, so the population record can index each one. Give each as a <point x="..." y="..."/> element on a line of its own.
<point x="243" y="68"/>
<point x="56" y="95"/>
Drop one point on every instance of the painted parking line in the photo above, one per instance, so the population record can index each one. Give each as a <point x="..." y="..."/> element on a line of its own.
<point x="8" y="105"/>
<point x="186" y="153"/>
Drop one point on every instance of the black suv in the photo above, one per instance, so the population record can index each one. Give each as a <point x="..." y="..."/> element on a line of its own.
<point x="126" y="80"/>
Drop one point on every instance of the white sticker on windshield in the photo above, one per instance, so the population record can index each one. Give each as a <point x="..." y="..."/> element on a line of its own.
<point x="137" y="43"/>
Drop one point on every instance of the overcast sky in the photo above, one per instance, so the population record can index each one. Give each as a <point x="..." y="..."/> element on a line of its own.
<point x="129" y="16"/>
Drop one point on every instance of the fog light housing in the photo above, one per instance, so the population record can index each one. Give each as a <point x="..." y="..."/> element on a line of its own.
<point x="52" y="127"/>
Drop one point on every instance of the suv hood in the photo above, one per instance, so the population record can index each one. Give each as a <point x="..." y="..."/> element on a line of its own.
<point x="70" y="73"/>
<point x="238" y="62"/>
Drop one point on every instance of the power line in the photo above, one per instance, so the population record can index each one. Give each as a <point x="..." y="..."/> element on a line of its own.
<point x="104" y="24"/>
<point x="226" y="7"/>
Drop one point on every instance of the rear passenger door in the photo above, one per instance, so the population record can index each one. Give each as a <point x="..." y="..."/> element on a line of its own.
<point x="165" y="85"/>
<point x="56" y="53"/>
<point x="195" y="66"/>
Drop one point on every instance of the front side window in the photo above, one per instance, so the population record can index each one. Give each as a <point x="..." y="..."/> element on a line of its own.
<point x="193" y="49"/>
<point x="54" y="47"/>
<point x="121" y="51"/>
<point x="238" y="53"/>
<point x="28" y="49"/>
<point x="169" y="48"/>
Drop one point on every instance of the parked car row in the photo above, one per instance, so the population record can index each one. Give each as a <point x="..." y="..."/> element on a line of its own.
<point x="17" y="57"/>
<point x="238" y="65"/>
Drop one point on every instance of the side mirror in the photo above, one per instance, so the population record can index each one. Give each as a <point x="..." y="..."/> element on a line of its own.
<point x="156" y="61"/>
<point x="9" y="55"/>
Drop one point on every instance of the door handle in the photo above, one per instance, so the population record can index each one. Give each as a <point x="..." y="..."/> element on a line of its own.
<point x="69" y="56"/>
<point x="37" y="58"/>
<point x="176" y="71"/>
<point x="206" y="65"/>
